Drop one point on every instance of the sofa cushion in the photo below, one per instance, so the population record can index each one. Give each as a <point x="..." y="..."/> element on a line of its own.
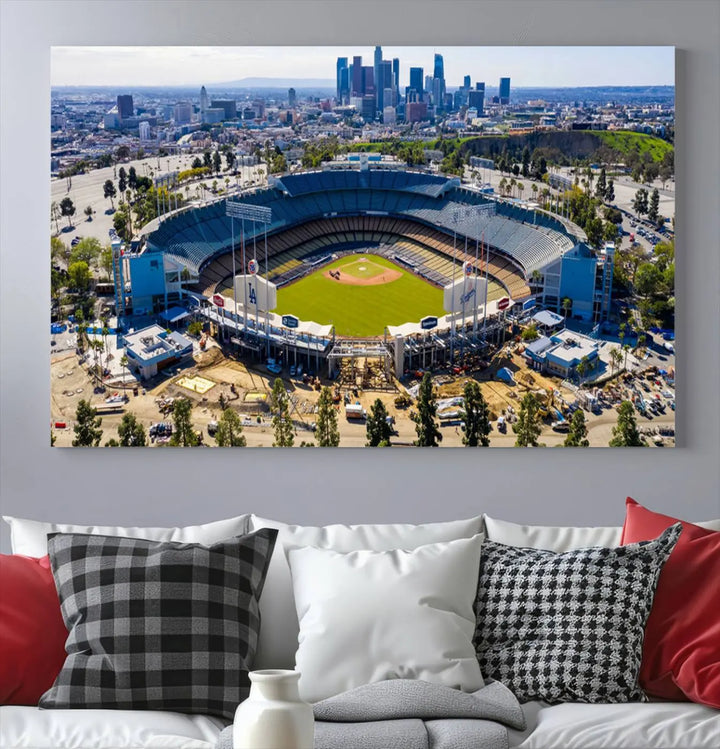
<point x="368" y="616"/>
<point x="29" y="537"/>
<point x="567" y="627"/>
<point x="31" y="728"/>
<point x="280" y="628"/>
<point x="32" y="632"/>
<point x="647" y="725"/>
<point x="157" y="626"/>
<point x="681" y="653"/>
<point x="560" y="538"/>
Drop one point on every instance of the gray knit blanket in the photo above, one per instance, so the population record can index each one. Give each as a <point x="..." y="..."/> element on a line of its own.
<point x="409" y="714"/>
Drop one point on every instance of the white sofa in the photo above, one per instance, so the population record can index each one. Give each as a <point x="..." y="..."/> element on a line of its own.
<point x="651" y="725"/>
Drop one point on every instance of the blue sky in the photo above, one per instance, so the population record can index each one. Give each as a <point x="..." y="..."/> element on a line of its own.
<point x="526" y="66"/>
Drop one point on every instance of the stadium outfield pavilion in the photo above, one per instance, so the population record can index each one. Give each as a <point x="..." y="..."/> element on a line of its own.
<point x="427" y="224"/>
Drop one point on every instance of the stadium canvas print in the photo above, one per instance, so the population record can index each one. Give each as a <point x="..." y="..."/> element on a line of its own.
<point x="362" y="246"/>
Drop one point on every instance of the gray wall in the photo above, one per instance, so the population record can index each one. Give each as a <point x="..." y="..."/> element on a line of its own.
<point x="178" y="487"/>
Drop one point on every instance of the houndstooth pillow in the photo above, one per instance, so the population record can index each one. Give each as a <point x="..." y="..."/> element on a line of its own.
<point x="567" y="627"/>
<point x="157" y="625"/>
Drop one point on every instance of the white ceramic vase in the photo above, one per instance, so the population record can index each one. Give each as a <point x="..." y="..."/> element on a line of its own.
<point x="274" y="716"/>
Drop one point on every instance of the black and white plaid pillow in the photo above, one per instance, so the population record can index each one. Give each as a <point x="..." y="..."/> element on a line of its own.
<point x="158" y="625"/>
<point x="567" y="627"/>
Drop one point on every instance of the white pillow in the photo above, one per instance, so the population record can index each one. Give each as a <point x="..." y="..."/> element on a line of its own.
<point x="367" y="616"/>
<point x="279" y="629"/>
<point x="552" y="538"/>
<point x="29" y="537"/>
<point x="559" y="538"/>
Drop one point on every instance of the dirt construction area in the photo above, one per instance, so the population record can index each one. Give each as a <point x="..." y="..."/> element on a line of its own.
<point x="246" y="389"/>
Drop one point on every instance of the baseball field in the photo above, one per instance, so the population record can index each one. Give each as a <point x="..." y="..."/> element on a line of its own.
<point x="360" y="295"/>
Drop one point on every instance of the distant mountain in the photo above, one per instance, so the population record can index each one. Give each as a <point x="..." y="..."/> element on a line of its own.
<point x="276" y="83"/>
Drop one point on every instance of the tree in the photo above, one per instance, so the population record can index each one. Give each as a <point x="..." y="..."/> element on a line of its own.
<point x="109" y="191"/>
<point x="216" y="161"/>
<point x="652" y="213"/>
<point x="132" y="178"/>
<point x="122" y="180"/>
<point x="326" y="430"/>
<point x="196" y="163"/>
<point x="476" y="415"/>
<point x="131" y="432"/>
<point x="625" y="432"/>
<point x="528" y="425"/>
<point x="230" y="158"/>
<point x="610" y="191"/>
<point x="566" y="305"/>
<point x="87" y="426"/>
<point x="577" y="436"/>
<point x="207" y="159"/>
<point x="647" y="279"/>
<point x="428" y="434"/>
<point x="58" y="250"/>
<point x="79" y="276"/>
<point x="183" y="433"/>
<point x="525" y="161"/>
<point x="530" y="333"/>
<point x="282" y="423"/>
<point x="229" y="431"/>
<point x="54" y="215"/>
<point x="378" y="430"/>
<point x="601" y="185"/>
<point x="105" y="261"/>
<point x="594" y="231"/>
<point x="89" y="212"/>
<point x="87" y="250"/>
<point x="123" y="363"/>
<point x="640" y="201"/>
<point x="67" y="209"/>
<point x="615" y="359"/>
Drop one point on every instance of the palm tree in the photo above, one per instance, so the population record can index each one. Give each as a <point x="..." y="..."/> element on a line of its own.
<point x="55" y="215"/>
<point x="566" y="305"/>
<point x="546" y="195"/>
<point x="534" y="188"/>
<point x="615" y="359"/>
<point x="513" y="182"/>
<point x="520" y="187"/>
<point x="124" y="363"/>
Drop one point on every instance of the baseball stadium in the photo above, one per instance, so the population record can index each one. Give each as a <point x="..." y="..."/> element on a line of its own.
<point x="364" y="261"/>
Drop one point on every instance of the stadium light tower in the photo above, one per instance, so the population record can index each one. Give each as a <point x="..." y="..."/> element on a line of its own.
<point x="256" y="214"/>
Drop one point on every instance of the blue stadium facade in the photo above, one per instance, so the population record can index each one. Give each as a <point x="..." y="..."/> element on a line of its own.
<point x="431" y="217"/>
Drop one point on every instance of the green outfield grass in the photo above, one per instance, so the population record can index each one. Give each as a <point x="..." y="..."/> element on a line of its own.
<point x="360" y="310"/>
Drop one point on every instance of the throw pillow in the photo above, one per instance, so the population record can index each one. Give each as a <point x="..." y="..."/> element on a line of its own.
<point x="32" y="633"/>
<point x="567" y="627"/>
<point x="681" y="653"/>
<point x="157" y="626"/>
<point x="279" y="634"/>
<point x="29" y="537"/>
<point x="367" y="616"/>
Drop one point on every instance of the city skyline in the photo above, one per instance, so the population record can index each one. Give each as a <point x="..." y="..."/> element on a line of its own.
<point x="528" y="67"/>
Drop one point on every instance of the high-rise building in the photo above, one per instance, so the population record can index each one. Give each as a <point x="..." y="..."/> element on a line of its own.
<point x="368" y="80"/>
<point x="416" y="81"/>
<point x="357" y="76"/>
<point x="292" y="98"/>
<point x="377" y="62"/>
<point x="476" y="98"/>
<point x="228" y="105"/>
<point x="144" y="130"/>
<point x="342" y="63"/>
<point x="203" y="103"/>
<point x="466" y="82"/>
<point x="504" y="93"/>
<point x="125" y="106"/>
<point x="415" y="111"/>
<point x="396" y="77"/>
<point x="383" y="82"/>
<point x="439" y="82"/>
<point x="182" y="113"/>
<point x="389" y="116"/>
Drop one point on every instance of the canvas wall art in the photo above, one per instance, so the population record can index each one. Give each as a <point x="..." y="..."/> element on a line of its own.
<point x="378" y="246"/>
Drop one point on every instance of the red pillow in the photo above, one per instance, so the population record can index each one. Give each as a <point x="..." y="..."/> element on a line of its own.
<point x="32" y="632"/>
<point x="681" y="652"/>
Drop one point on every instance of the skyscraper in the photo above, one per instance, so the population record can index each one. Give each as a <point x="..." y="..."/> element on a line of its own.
<point x="383" y="81"/>
<point x="203" y="103"/>
<point x="292" y="98"/>
<point x="377" y="62"/>
<point x="466" y="82"/>
<point x="396" y="77"/>
<point x="342" y="63"/>
<point x="368" y="80"/>
<point x="439" y="82"/>
<point x="357" y="76"/>
<point x="416" y="81"/>
<point x="125" y="106"/>
<point x="504" y="91"/>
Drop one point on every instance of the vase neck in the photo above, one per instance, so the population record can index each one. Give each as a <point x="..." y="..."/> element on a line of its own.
<point x="278" y="687"/>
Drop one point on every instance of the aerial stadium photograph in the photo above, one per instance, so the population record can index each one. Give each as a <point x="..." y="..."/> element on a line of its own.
<point x="362" y="247"/>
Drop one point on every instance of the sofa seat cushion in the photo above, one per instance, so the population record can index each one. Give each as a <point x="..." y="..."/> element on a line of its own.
<point x="24" y="727"/>
<point x="647" y="725"/>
